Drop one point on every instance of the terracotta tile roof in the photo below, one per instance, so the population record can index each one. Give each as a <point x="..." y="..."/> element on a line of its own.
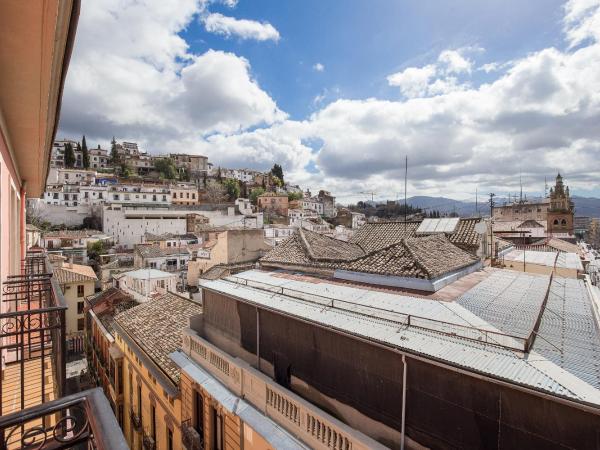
<point x="224" y="270"/>
<point x="154" y="251"/>
<point x="563" y="246"/>
<point x="158" y="334"/>
<point x="71" y="234"/>
<point x="377" y="235"/>
<point x="74" y="273"/>
<point x="465" y="235"/>
<point x="419" y="257"/>
<point x="108" y="303"/>
<point x="169" y="236"/>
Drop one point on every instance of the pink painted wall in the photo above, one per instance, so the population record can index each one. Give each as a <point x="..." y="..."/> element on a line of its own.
<point x="9" y="217"/>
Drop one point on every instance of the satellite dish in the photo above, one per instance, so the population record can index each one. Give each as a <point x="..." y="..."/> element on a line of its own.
<point x="480" y="228"/>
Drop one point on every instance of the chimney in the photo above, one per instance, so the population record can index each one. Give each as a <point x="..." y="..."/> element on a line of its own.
<point x="70" y="262"/>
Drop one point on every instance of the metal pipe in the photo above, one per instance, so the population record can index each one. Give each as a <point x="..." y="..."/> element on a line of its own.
<point x="402" y="430"/>
<point x="257" y="338"/>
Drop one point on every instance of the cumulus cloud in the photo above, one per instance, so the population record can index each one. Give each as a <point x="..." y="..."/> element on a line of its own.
<point x="319" y="67"/>
<point x="242" y="28"/>
<point x="134" y="77"/>
<point x="414" y="81"/>
<point x="582" y="21"/>
<point x="454" y="62"/>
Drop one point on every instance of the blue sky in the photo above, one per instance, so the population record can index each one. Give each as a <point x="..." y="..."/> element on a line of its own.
<point x="339" y="93"/>
<point x="362" y="42"/>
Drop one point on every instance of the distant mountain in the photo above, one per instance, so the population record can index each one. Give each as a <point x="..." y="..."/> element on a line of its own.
<point x="584" y="206"/>
<point x="587" y="206"/>
<point x="448" y="205"/>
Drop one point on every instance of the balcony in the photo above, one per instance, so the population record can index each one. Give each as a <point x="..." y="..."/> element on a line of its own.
<point x="190" y="437"/>
<point x="32" y="337"/>
<point x="82" y="420"/>
<point x="148" y="442"/>
<point x="34" y="412"/>
<point x="136" y="420"/>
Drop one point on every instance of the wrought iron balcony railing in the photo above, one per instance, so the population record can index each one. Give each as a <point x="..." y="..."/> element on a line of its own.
<point x="32" y="337"/>
<point x="82" y="420"/>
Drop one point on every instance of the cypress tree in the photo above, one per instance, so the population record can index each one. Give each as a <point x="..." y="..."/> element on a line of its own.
<point x="85" y="154"/>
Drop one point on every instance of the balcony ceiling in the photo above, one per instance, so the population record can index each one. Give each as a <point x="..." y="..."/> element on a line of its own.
<point x="35" y="44"/>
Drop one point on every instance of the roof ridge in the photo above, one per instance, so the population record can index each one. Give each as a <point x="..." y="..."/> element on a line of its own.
<point x="415" y="258"/>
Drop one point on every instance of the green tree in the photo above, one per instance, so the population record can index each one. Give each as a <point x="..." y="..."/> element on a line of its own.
<point x="255" y="194"/>
<point x="114" y="154"/>
<point x="233" y="189"/>
<point x="294" y="196"/>
<point x="166" y="168"/>
<point x="69" y="156"/>
<point x="277" y="181"/>
<point x="215" y="192"/>
<point x="85" y="155"/>
<point x="277" y="171"/>
<point x="126" y="171"/>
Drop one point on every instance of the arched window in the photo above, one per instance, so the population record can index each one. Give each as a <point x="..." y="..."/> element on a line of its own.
<point x="563" y="223"/>
<point x="555" y="222"/>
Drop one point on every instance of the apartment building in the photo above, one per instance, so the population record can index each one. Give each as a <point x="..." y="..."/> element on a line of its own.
<point x="71" y="176"/>
<point x="105" y="359"/>
<point x="192" y="163"/>
<point x="76" y="282"/>
<point x="273" y="203"/>
<point x="36" y="41"/>
<point x="152" y="401"/>
<point x="150" y="194"/>
<point x="145" y="284"/>
<point x="225" y="247"/>
<point x="185" y="194"/>
<point x="168" y="259"/>
<point x="99" y="158"/>
<point x="370" y="351"/>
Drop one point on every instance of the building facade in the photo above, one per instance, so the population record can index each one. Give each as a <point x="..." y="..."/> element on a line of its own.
<point x="562" y="209"/>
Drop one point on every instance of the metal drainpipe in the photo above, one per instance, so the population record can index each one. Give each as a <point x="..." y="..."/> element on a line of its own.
<point x="403" y="401"/>
<point x="257" y="339"/>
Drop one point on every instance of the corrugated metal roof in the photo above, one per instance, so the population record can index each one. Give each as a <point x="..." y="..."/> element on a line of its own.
<point x="563" y="261"/>
<point x="533" y="369"/>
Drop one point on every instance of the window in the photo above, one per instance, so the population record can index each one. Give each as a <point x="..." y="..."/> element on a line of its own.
<point x="555" y="222"/>
<point x="80" y="324"/>
<point x="154" y="198"/>
<point x="169" y="439"/>
<point x="153" y="423"/>
<point x="80" y="290"/>
<point x="79" y="307"/>
<point x="199" y="413"/>
<point x="217" y="423"/>
<point x="139" y="400"/>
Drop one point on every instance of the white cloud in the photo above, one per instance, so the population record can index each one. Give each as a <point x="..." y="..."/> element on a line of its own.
<point x="454" y="62"/>
<point x="319" y="67"/>
<point x="133" y="76"/>
<point x="582" y="21"/>
<point x="414" y="81"/>
<point x="242" y="28"/>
